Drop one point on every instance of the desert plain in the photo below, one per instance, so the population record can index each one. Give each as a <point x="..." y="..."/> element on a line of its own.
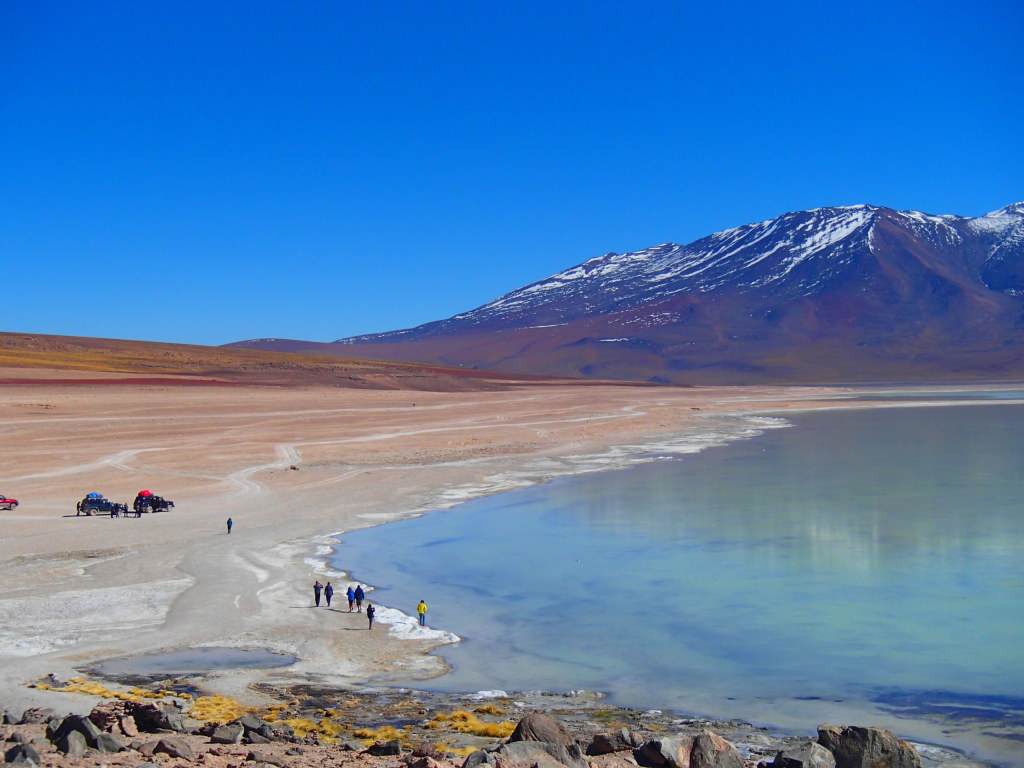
<point x="293" y="465"/>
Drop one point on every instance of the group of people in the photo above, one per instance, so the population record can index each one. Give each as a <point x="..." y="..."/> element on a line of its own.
<point x="356" y="595"/>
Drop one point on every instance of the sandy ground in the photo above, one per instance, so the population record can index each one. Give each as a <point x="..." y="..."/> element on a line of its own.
<point x="75" y="590"/>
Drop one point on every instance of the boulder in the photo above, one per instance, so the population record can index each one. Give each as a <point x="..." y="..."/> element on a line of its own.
<point x="530" y="753"/>
<point x="175" y="746"/>
<point x="249" y="722"/>
<point x="612" y="741"/>
<point x="810" y="754"/>
<point x="79" y="723"/>
<point x="255" y="737"/>
<point x="540" y="727"/>
<point x="425" y="762"/>
<point x="18" y="738"/>
<point x="856" y="747"/>
<point x="710" y="750"/>
<point x="23" y="754"/>
<point x="126" y="725"/>
<point x="385" y="748"/>
<point x="72" y="744"/>
<point x="227" y="734"/>
<point x="478" y="758"/>
<point x="108" y="743"/>
<point x="37" y="715"/>
<point x="669" y="752"/>
<point x="106" y="714"/>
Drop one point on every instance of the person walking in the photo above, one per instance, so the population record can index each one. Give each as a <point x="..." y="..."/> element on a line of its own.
<point x="328" y="593"/>
<point x="351" y="598"/>
<point x="421" y="609"/>
<point x="317" y="587"/>
<point x="359" y="598"/>
<point x="370" y="611"/>
<point x="230" y="523"/>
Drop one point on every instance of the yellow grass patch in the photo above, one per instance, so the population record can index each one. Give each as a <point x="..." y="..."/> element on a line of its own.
<point x="467" y="722"/>
<point x="91" y="688"/>
<point x="218" y="709"/>
<point x="489" y="709"/>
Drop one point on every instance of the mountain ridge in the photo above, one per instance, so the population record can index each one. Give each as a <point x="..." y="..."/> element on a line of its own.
<point x="898" y="294"/>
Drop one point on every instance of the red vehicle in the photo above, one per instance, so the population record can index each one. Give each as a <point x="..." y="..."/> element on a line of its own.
<point x="8" y="504"/>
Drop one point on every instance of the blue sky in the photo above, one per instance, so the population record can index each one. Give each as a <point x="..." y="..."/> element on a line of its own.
<point x="206" y="172"/>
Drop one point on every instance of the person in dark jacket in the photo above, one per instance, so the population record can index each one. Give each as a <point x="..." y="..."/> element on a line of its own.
<point x="370" y="610"/>
<point x="351" y="598"/>
<point x="317" y="587"/>
<point x="359" y="598"/>
<point x="230" y="523"/>
<point x="328" y="593"/>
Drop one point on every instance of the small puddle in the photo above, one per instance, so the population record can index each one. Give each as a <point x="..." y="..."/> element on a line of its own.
<point x="189" y="661"/>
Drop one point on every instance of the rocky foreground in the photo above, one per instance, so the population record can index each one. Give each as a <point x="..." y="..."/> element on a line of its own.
<point x="412" y="729"/>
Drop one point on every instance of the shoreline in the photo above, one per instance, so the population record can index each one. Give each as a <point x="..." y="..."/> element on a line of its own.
<point x="427" y="476"/>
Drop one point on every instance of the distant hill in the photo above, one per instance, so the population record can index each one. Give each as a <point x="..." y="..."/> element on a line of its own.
<point x="850" y="294"/>
<point x="25" y="358"/>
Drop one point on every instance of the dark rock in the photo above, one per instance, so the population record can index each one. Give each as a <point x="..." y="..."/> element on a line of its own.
<point x="10" y="718"/>
<point x="175" y="746"/>
<point x="613" y="741"/>
<point x="294" y="751"/>
<point x="108" y="743"/>
<point x="79" y="723"/>
<point x="249" y="722"/>
<point x="147" y="717"/>
<point x="669" y="752"/>
<point x="18" y="738"/>
<point x="540" y="727"/>
<point x="106" y="714"/>
<point x="855" y="747"/>
<point x="350" y="746"/>
<point x="269" y="732"/>
<point x="478" y="758"/>
<point x="712" y="751"/>
<point x="528" y="753"/>
<point x="385" y="748"/>
<point x="71" y="743"/>
<point x="810" y="754"/>
<point x="37" y="715"/>
<point x="227" y="734"/>
<point x="23" y="754"/>
<point x="255" y="737"/>
<point x="173" y="721"/>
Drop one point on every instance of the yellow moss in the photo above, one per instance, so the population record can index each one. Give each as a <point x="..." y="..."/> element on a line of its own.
<point x="467" y="722"/>
<point x="302" y="725"/>
<point x="329" y="728"/>
<point x="384" y="733"/>
<point x="489" y="709"/>
<point x="219" y="709"/>
<point x="462" y="751"/>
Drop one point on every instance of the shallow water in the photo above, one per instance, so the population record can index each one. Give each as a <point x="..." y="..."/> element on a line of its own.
<point x="865" y="566"/>
<point x="191" y="661"/>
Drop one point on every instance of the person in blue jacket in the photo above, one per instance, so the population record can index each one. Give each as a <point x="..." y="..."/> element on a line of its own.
<point x="351" y="598"/>
<point x="359" y="598"/>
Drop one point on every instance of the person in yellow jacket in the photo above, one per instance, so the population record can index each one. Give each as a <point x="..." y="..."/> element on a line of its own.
<point x="421" y="609"/>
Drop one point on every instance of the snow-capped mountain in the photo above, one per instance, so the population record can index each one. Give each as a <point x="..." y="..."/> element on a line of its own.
<point x="847" y="293"/>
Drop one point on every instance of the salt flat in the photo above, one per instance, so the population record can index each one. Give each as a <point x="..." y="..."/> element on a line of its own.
<point x="290" y="465"/>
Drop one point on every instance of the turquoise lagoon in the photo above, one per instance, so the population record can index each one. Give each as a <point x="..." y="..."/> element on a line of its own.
<point x="863" y="566"/>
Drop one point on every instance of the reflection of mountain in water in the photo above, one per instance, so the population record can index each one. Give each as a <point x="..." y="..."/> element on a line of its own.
<point x="845" y="490"/>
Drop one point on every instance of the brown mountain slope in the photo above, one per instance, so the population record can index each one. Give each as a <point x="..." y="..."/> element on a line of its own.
<point x="32" y="358"/>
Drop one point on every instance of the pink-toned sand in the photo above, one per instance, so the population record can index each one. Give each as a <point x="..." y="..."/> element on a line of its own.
<point x="75" y="590"/>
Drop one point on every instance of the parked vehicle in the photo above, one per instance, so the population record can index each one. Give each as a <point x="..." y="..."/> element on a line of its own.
<point x="96" y="503"/>
<point x="147" y="501"/>
<point x="8" y="504"/>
